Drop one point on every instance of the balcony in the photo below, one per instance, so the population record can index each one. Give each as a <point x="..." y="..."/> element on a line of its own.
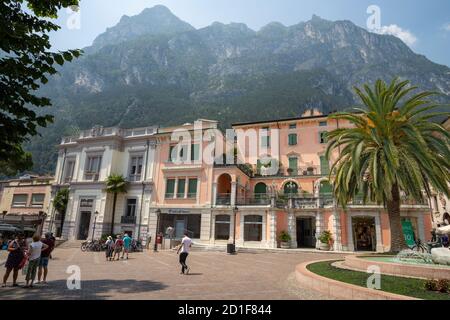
<point x="128" y="219"/>
<point x="91" y="176"/>
<point x="134" y="177"/>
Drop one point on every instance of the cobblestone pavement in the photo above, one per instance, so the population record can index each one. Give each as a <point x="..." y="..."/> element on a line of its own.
<point x="148" y="275"/>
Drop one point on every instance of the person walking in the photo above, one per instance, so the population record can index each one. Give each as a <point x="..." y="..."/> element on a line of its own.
<point x="34" y="256"/>
<point x="16" y="250"/>
<point x="183" y="250"/>
<point x="126" y="245"/>
<point x="109" y="248"/>
<point x="118" y="246"/>
<point x="45" y="256"/>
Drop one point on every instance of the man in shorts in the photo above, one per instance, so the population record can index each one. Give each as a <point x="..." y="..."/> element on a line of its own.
<point x="126" y="245"/>
<point x="45" y="256"/>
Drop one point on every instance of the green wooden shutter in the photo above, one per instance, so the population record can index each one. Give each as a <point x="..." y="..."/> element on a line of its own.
<point x="170" y="187"/>
<point x="181" y="188"/>
<point x="324" y="166"/>
<point x="192" y="189"/>
<point x="292" y="139"/>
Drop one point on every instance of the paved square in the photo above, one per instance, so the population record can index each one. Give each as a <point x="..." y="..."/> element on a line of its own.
<point x="148" y="275"/>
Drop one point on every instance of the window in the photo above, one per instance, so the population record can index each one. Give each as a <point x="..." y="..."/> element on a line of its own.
<point x="181" y="188"/>
<point x="195" y="152"/>
<point x="292" y="139"/>
<point x="192" y="188"/>
<point x="293" y="165"/>
<point x="170" y="188"/>
<point x="20" y="200"/>
<point x="323" y="137"/>
<point x="253" y="228"/>
<point x="323" y="124"/>
<point x="324" y="166"/>
<point x="293" y="126"/>
<point x="222" y="228"/>
<point x="37" y="200"/>
<point x="93" y="164"/>
<point x="136" y="168"/>
<point x="265" y="138"/>
<point x="131" y="208"/>
<point x="68" y="174"/>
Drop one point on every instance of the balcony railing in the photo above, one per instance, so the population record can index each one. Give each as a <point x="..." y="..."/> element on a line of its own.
<point x="223" y="199"/>
<point x="257" y="199"/>
<point x="128" y="219"/>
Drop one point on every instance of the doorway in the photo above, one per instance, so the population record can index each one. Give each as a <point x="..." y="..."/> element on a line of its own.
<point x="306" y="232"/>
<point x="85" y="222"/>
<point x="364" y="235"/>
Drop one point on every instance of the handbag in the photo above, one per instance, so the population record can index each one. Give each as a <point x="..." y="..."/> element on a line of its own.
<point x="23" y="262"/>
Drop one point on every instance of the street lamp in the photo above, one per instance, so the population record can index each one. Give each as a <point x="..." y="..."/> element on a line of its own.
<point x="231" y="248"/>
<point x="158" y="213"/>
<point x="95" y="222"/>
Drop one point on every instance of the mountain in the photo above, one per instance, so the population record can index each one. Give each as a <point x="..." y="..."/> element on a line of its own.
<point x="154" y="69"/>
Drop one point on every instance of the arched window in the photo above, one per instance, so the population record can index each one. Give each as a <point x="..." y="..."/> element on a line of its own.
<point x="261" y="188"/>
<point x="291" y="188"/>
<point x="253" y="228"/>
<point x="222" y="228"/>
<point x="224" y="189"/>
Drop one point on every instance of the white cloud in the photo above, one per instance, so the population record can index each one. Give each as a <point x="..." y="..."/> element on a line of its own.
<point x="405" y="35"/>
<point x="447" y="26"/>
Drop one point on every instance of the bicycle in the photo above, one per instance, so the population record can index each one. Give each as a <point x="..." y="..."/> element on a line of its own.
<point x="420" y="246"/>
<point x="91" y="246"/>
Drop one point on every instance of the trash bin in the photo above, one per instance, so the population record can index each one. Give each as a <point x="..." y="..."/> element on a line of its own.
<point x="231" y="248"/>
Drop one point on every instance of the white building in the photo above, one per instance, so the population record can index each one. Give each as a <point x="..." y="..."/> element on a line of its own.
<point x="84" y="163"/>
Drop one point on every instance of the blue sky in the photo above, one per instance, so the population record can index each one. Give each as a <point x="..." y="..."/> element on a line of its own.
<point x="423" y="25"/>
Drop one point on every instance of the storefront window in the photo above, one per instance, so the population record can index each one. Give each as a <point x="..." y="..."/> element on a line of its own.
<point x="189" y="223"/>
<point x="253" y="228"/>
<point x="222" y="227"/>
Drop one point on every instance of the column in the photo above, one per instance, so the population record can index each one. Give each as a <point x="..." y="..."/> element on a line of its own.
<point x="175" y="190"/>
<point x="273" y="229"/>
<point x="292" y="228"/>
<point x="214" y="194"/>
<point x="232" y="228"/>
<point x="380" y="247"/>
<point x="233" y="193"/>
<point x="351" y="243"/>
<point x="319" y="227"/>
<point x="337" y="228"/>
<point x="205" y="226"/>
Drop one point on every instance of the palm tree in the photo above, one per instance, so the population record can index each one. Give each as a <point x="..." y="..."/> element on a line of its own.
<point x="115" y="184"/>
<point x="60" y="204"/>
<point x="394" y="149"/>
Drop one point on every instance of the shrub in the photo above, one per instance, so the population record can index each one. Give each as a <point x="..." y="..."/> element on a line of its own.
<point x="285" y="237"/>
<point x="431" y="285"/>
<point x="325" y="237"/>
<point x="443" y="285"/>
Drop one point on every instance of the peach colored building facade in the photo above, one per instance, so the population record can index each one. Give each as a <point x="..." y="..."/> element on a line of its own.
<point x="25" y="201"/>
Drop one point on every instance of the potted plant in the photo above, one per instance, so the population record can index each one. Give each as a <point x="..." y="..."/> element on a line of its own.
<point x="290" y="171"/>
<point x="325" y="240"/>
<point x="285" y="240"/>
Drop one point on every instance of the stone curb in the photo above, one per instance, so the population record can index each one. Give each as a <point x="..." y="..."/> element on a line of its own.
<point x="340" y="290"/>
<point x="398" y="269"/>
